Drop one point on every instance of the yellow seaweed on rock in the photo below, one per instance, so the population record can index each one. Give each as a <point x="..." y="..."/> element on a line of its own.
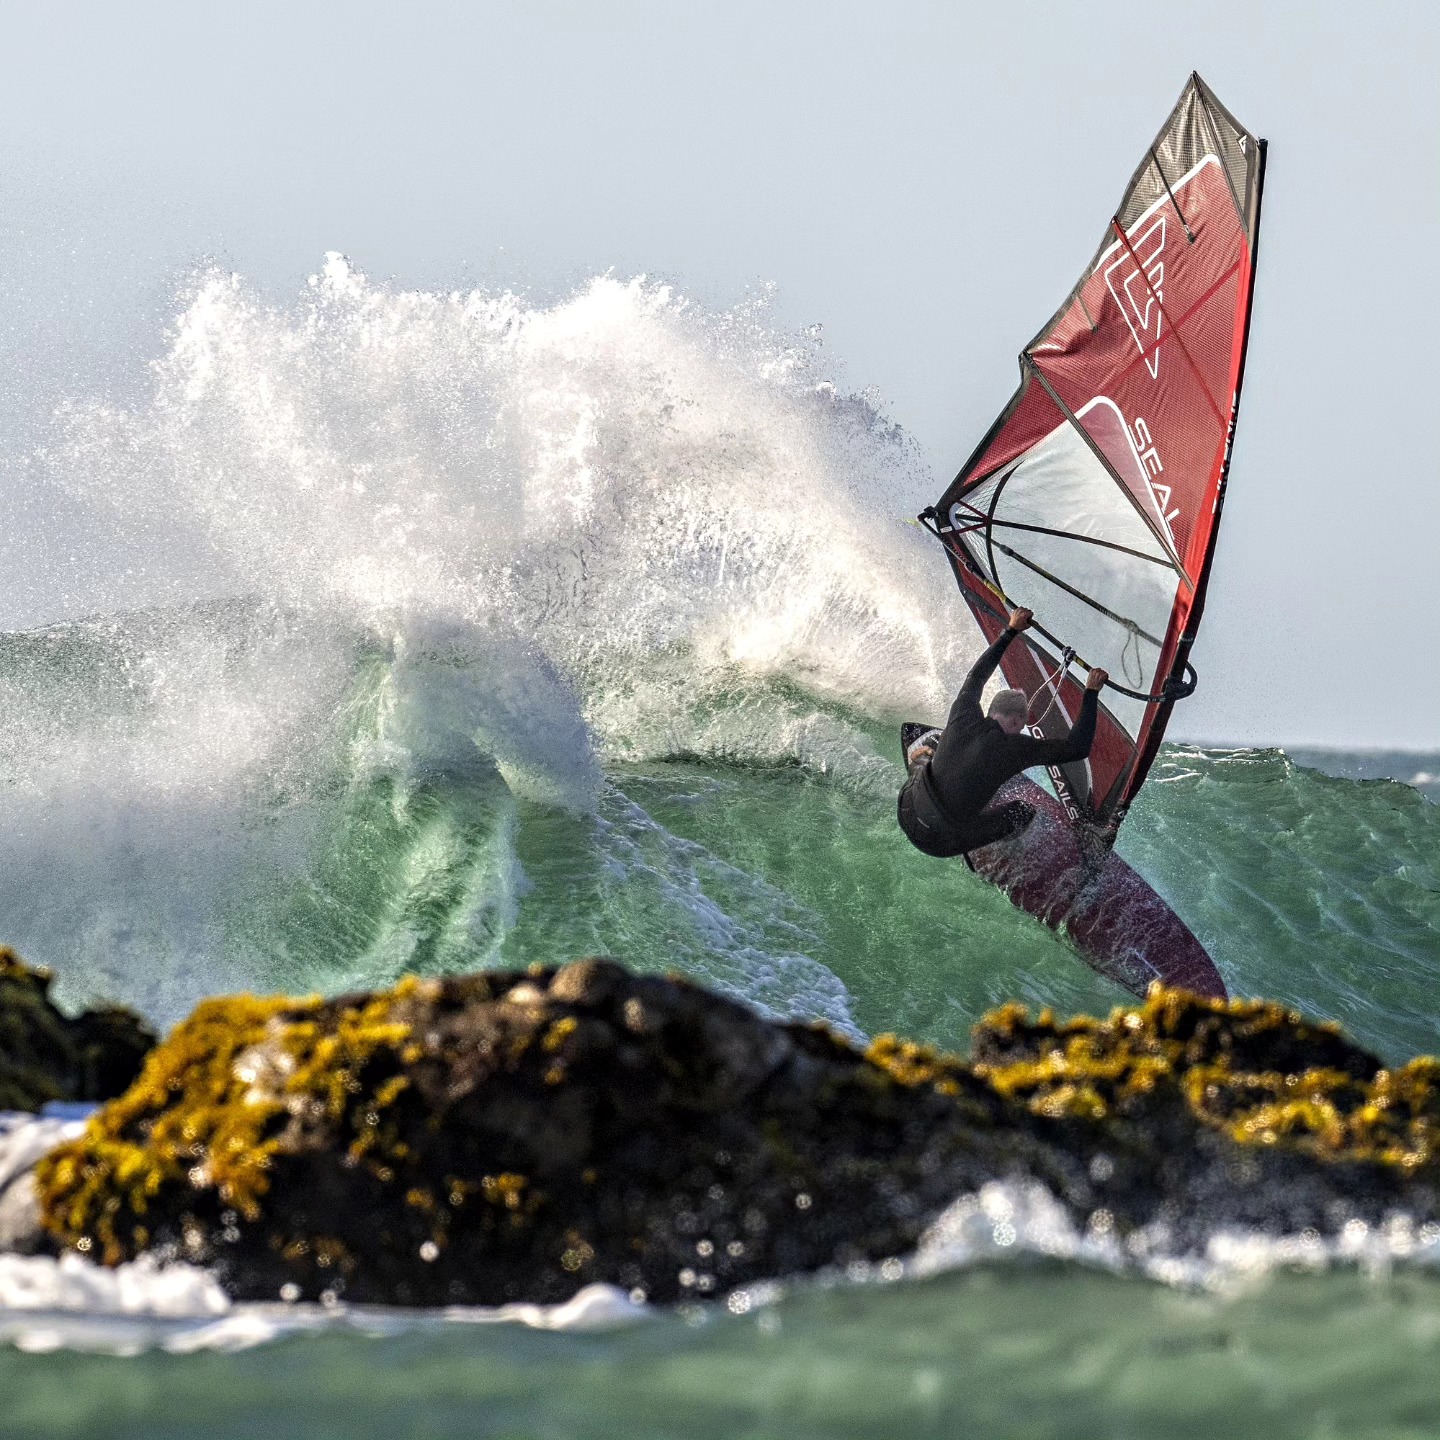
<point x="1091" y="1068"/>
<point x="913" y="1065"/>
<point x="212" y="1106"/>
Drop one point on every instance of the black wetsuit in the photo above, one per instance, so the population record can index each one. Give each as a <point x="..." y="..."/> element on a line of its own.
<point x="942" y="807"/>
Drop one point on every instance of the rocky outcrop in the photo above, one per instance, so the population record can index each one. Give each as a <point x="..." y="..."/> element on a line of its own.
<point x="514" y="1136"/>
<point x="510" y="1136"/>
<point x="45" y="1055"/>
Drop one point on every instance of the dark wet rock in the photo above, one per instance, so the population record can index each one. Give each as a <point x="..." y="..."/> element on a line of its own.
<point x="45" y="1055"/>
<point x="514" y="1136"/>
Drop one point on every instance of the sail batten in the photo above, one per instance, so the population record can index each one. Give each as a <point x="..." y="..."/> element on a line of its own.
<point x="1095" y="497"/>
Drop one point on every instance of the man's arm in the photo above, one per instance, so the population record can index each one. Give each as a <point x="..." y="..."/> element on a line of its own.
<point x="967" y="702"/>
<point x="1074" y="746"/>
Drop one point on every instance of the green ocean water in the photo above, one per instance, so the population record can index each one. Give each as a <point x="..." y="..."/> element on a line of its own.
<point x="510" y="640"/>
<point x="1035" y="1351"/>
<point x="791" y="887"/>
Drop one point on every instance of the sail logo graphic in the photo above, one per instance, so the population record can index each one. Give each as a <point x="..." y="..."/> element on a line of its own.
<point x="1136" y="289"/>
<point x="1147" y="452"/>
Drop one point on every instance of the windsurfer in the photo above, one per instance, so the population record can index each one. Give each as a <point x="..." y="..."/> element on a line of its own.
<point x="955" y="772"/>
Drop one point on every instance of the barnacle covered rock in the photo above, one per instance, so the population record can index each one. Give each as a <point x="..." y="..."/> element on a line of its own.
<point x="46" y="1055"/>
<point x="506" y="1136"/>
<point x="516" y="1135"/>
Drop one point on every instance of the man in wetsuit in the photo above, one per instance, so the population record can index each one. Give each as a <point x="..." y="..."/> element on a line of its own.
<point x="955" y="773"/>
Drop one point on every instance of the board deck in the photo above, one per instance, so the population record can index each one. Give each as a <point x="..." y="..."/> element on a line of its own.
<point x="1117" y="923"/>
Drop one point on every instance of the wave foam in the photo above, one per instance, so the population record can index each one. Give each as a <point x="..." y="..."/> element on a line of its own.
<point x="72" y="1304"/>
<point x="392" y="542"/>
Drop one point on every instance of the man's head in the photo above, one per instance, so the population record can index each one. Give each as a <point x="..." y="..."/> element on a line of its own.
<point x="1009" y="710"/>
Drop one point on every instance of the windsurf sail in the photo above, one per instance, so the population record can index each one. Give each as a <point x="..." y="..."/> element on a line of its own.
<point x="1095" y="499"/>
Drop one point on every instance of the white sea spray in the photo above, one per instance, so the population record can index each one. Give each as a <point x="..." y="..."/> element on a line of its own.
<point x="406" y="544"/>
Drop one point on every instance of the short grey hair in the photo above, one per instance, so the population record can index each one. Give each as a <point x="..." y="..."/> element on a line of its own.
<point x="1010" y="702"/>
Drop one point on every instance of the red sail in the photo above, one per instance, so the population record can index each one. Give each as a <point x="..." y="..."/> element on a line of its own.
<point x="1095" y="498"/>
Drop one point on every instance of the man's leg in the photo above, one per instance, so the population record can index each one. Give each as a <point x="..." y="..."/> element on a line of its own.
<point x="925" y="839"/>
<point x="999" y="824"/>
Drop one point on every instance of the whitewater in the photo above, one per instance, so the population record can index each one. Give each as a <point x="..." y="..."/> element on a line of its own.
<point x="438" y="631"/>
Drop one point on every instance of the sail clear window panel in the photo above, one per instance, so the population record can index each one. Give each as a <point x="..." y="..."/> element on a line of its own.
<point x="1059" y="484"/>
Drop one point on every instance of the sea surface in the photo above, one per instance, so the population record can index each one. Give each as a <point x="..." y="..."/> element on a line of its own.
<point x="437" y="632"/>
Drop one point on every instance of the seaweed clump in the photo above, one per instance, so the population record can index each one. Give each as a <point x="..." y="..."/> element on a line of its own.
<point x="1206" y="1112"/>
<point x="1251" y="1069"/>
<point x="46" y="1055"/>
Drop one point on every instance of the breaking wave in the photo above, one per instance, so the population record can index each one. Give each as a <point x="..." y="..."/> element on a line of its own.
<point x="384" y="568"/>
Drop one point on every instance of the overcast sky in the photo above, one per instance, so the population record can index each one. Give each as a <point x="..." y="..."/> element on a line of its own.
<point x="926" y="181"/>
